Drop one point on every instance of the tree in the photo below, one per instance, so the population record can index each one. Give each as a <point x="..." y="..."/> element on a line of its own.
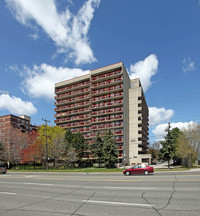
<point x="35" y="151"/>
<point x="17" y="142"/>
<point x="2" y="159"/>
<point x="58" y="143"/>
<point x="188" y="144"/>
<point x="153" y="150"/>
<point x="68" y="138"/>
<point x="71" y="156"/>
<point x="168" y="150"/>
<point x="96" y="148"/>
<point x="175" y="133"/>
<point x="80" y="145"/>
<point x="110" y="150"/>
<point x="55" y="142"/>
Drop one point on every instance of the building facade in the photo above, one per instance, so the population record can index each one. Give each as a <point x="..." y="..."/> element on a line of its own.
<point x="13" y="130"/>
<point x="106" y="99"/>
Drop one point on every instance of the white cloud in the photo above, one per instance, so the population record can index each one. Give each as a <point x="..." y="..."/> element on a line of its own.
<point x="40" y="80"/>
<point x="158" y="115"/>
<point x="159" y="130"/>
<point x="188" y="65"/>
<point x="68" y="31"/>
<point x="16" y="105"/>
<point x="145" y="70"/>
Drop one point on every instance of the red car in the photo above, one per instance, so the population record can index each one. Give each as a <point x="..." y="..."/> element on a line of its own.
<point x="139" y="169"/>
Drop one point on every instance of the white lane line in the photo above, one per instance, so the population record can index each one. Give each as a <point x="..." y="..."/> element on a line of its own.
<point x="8" y="193"/>
<point x="131" y="188"/>
<point x="117" y="203"/>
<point x="39" y="184"/>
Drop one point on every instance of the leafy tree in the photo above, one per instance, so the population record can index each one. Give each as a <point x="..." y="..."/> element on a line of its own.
<point x="80" y="145"/>
<point x="55" y="142"/>
<point x="58" y="144"/>
<point x="68" y="138"/>
<point x="168" y="150"/>
<point x="110" y="150"/>
<point x="96" y="148"/>
<point x="188" y="144"/>
<point x="175" y="133"/>
<point x="34" y="151"/>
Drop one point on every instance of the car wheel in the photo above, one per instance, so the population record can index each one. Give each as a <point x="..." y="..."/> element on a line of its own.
<point x="128" y="173"/>
<point x="4" y="172"/>
<point x="146" y="172"/>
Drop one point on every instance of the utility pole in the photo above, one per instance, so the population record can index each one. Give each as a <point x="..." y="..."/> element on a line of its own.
<point x="46" y="142"/>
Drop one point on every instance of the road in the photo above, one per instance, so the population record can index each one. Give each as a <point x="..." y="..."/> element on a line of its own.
<point x="99" y="194"/>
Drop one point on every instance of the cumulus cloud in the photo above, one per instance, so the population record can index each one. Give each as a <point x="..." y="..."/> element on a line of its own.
<point x="145" y="70"/>
<point x="39" y="81"/>
<point x="188" y="65"/>
<point x="16" y="105"/>
<point x="158" y="115"/>
<point x="67" y="30"/>
<point x="159" y="130"/>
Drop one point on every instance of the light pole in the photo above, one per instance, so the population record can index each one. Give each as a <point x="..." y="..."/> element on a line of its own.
<point x="46" y="142"/>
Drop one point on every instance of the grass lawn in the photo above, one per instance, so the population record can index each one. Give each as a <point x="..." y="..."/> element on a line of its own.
<point x="86" y="169"/>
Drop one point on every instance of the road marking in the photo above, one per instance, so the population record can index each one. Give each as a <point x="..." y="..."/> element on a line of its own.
<point x="110" y="180"/>
<point x="131" y="188"/>
<point x="117" y="203"/>
<point x="39" y="184"/>
<point x="7" y="193"/>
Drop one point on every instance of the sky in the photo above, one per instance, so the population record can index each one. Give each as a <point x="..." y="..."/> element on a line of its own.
<point x="48" y="41"/>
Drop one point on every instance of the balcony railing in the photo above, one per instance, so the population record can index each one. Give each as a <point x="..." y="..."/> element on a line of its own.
<point x="67" y="88"/>
<point x="106" y="75"/>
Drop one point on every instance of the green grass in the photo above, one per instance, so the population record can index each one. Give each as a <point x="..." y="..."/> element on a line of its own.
<point x="172" y="169"/>
<point x="85" y="169"/>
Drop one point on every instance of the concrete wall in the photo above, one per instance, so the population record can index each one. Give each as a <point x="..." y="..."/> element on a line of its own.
<point x="126" y="86"/>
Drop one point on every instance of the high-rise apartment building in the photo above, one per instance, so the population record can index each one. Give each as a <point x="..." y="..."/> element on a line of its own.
<point x="106" y="99"/>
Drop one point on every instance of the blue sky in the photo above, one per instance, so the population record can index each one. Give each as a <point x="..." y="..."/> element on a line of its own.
<point x="44" y="42"/>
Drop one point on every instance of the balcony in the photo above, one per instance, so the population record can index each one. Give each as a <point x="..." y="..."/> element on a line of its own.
<point x="107" y="83"/>
<point x="104" y="91"/>
<point x="107" y="104"/>
<point x="72" y="87"/>
<point x="106" y="76"/>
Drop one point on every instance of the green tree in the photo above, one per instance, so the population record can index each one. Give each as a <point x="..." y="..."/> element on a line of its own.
<point x="80" y="145"/>
<point x="68" y="139"/>
<point x="96" y="149"/>
<point x="58" y="144"/>
<point x="188" y="144"/>
<point x="55" y="142"/>
<point x="175" y="133"/>
<point x="168" y="150"/>
<point x="110" y="150"/>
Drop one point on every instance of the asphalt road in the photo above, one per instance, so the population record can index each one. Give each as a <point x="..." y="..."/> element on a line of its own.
<point x="99" y="194"/>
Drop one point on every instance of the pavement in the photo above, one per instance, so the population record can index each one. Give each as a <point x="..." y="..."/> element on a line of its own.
<point x="165" y="166"/>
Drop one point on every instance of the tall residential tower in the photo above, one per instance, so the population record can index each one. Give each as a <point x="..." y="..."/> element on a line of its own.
<point x="106" y="99"/>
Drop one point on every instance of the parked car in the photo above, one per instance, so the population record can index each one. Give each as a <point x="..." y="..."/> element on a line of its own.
<point x="3" y="169"/>
<point x="139" y="169"/>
